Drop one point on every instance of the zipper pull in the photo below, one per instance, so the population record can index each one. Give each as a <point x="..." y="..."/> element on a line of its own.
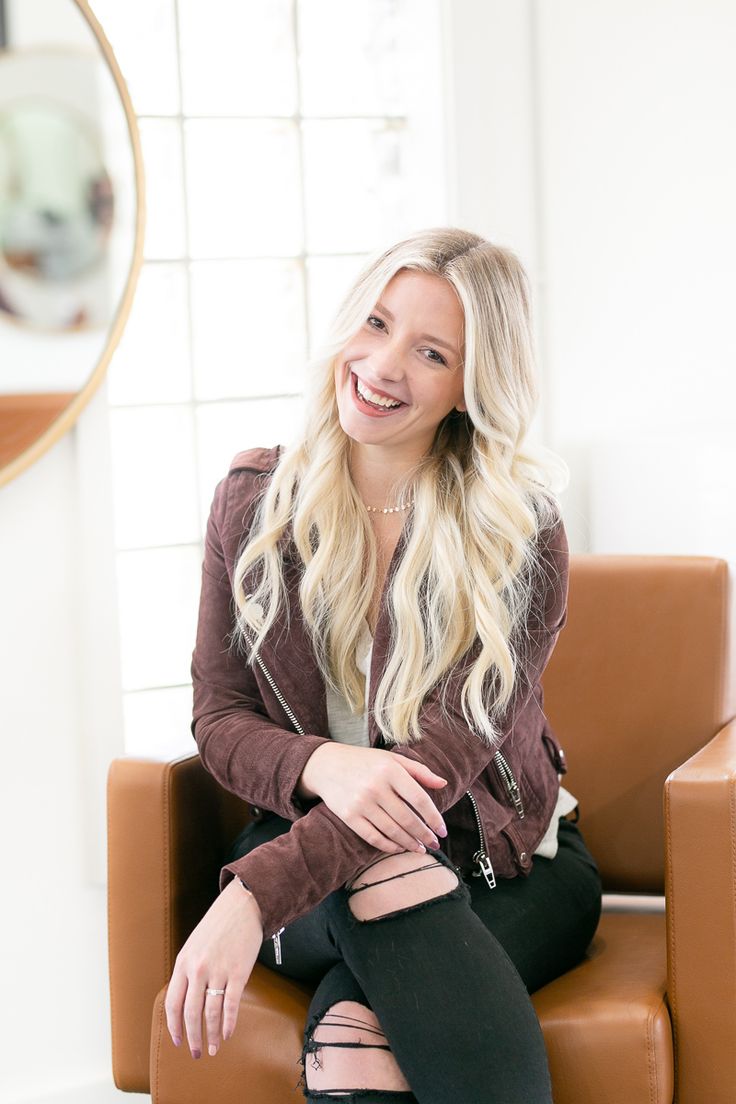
<point x="277" y="945"/>
<point x="486" y="869"/>
<point x="516" y="798"/>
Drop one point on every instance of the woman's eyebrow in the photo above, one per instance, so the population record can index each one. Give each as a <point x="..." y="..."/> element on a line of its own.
<point x="427" y="337"/>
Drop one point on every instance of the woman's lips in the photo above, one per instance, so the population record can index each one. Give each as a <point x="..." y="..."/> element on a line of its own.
<point x="366" y="408"/>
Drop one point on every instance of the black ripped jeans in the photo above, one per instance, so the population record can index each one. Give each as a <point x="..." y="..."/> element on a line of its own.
<point x="448" y="979"/>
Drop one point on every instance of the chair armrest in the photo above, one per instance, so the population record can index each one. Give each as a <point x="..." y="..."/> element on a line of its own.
<point x="168" y="826"/>
<point x="700" y="886"/>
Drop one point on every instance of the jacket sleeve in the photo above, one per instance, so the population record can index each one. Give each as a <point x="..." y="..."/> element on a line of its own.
<point x="293" y="873"/>
<point x="246" y="752"/>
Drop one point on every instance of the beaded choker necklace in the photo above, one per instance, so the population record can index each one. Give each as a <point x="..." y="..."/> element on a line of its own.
<point x="389" y="509"/>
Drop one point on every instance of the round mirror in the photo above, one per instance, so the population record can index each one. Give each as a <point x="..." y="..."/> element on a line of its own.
<point x="71" y="219"/>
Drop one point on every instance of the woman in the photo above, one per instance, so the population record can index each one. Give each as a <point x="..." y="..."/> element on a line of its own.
<point x="412" y="860"/>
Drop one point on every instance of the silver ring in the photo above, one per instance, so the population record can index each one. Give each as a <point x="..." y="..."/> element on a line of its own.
<point x="214" y="992"/>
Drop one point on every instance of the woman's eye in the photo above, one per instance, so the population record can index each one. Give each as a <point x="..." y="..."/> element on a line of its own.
<point x="440" y="358"/>
<point x="374" y="318"/>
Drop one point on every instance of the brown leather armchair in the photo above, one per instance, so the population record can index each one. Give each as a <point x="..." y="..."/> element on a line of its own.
<point x="641" y="691"/>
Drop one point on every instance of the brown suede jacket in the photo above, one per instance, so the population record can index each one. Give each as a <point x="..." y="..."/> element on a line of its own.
<point x="257" y="727"/>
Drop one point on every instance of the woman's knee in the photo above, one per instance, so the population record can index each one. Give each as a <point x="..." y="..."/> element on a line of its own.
<point x="398" y="883"/>
<point x="346" y="1051"/>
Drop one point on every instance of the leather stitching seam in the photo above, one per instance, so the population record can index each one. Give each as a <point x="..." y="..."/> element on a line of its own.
<point x="670" y="904"/>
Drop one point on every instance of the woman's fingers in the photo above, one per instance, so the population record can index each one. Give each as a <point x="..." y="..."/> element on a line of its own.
<point x="367" y="830"/>
<point x="231" y="1007"/>
<point x="224" y="946"/>
<point x="421" y="771"/>
<point x="409" y="825"/>
<point x="422" y="806"/>
<point x="193" y="1016"/>
<point x="390" y="827"/>
<point x="174" y="1003"/>
<point x="219" y="1011"/>
<point x="213" y="1010"/>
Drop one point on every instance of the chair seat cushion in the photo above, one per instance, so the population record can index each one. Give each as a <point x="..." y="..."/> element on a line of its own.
<point x="606" y="1027"/>
<point x="606" y="1023"/>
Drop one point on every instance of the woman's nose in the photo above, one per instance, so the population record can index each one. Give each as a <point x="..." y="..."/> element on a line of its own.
<point x="387" y="363"/>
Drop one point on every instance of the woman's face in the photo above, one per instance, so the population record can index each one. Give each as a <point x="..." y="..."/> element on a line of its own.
<point x="409" y="349"/>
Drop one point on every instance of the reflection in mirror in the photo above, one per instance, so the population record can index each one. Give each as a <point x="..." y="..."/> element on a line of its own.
<point x="56" y="210"/>
<point x="70" y="220"/>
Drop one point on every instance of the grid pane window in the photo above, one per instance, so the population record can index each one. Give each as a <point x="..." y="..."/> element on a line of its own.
<point x="165" y="223"/>
<point x="248" y="328"/>
<point x="151" y="363"/>
<point x="147" y="61"/>
<point x="283" y="143"/>
<point x="224" y="429"/>
<point x="159" y="597"/>
<point x="243" y="188"/>
<point x="153" y="475"/>
<point x="354" y="182"/>
<point x="157" y="722"/>
<point x="327" y="279"/>
<point x="249" y="70"/>
<point x="353" y="57"/>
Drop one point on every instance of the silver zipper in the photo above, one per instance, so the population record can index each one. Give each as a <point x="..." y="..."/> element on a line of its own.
<point x="480" y="858"/>
<point x="276" y="937"/>
<point x="512" y="785"/>
<point x="281" y="699"/>
<point x="277" y="945"/>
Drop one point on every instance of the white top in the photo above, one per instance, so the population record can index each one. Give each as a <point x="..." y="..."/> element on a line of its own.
<point x="351" y="728"/>
<point x="344" y="726"/>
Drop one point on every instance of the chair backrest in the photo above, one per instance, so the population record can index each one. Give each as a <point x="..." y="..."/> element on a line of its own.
<point x="642" y="677"/>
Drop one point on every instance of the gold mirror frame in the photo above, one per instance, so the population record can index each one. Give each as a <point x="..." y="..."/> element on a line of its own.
<point x="71" y="412"/>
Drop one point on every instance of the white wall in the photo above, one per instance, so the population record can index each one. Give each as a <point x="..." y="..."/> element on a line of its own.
<point x="62" y="724"/>
<point x="597" y="140"/>
<point x="638" y="174"/>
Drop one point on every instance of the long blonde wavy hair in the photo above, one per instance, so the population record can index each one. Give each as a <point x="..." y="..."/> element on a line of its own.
<point x="482" y="497"/>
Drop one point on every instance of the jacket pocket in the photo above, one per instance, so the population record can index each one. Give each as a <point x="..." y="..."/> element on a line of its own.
<point x="522" y="856"/>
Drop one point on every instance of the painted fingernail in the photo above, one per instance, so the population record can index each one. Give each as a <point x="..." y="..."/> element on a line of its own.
<point x="435" y="843"/>
<point x="196" y="1054"/>
<point x="226" y="1035"/>
<point x="213" y="1050"/>
<point x="442" y="831"/>
<point x="176" y="1040"/>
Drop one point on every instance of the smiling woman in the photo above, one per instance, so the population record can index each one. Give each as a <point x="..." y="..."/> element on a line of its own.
<point x="379" y="657"/>
<point x="389" y="362"/>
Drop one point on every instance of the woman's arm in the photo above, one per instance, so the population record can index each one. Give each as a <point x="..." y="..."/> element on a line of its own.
<point x="246" y="752"/>
<point x="219" y="954"/>
<point x="379" y="796"/>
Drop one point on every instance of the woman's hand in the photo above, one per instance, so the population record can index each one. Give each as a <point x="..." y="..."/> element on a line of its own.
<point x="377" y="794"/>
<point x="219" y="954"/>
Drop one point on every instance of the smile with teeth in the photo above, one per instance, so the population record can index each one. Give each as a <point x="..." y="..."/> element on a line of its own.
<point x="371" y="397"/>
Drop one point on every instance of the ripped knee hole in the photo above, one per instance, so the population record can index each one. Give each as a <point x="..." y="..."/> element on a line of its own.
<point x="346" y="1051"/>
<point x="395" y="883"/>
